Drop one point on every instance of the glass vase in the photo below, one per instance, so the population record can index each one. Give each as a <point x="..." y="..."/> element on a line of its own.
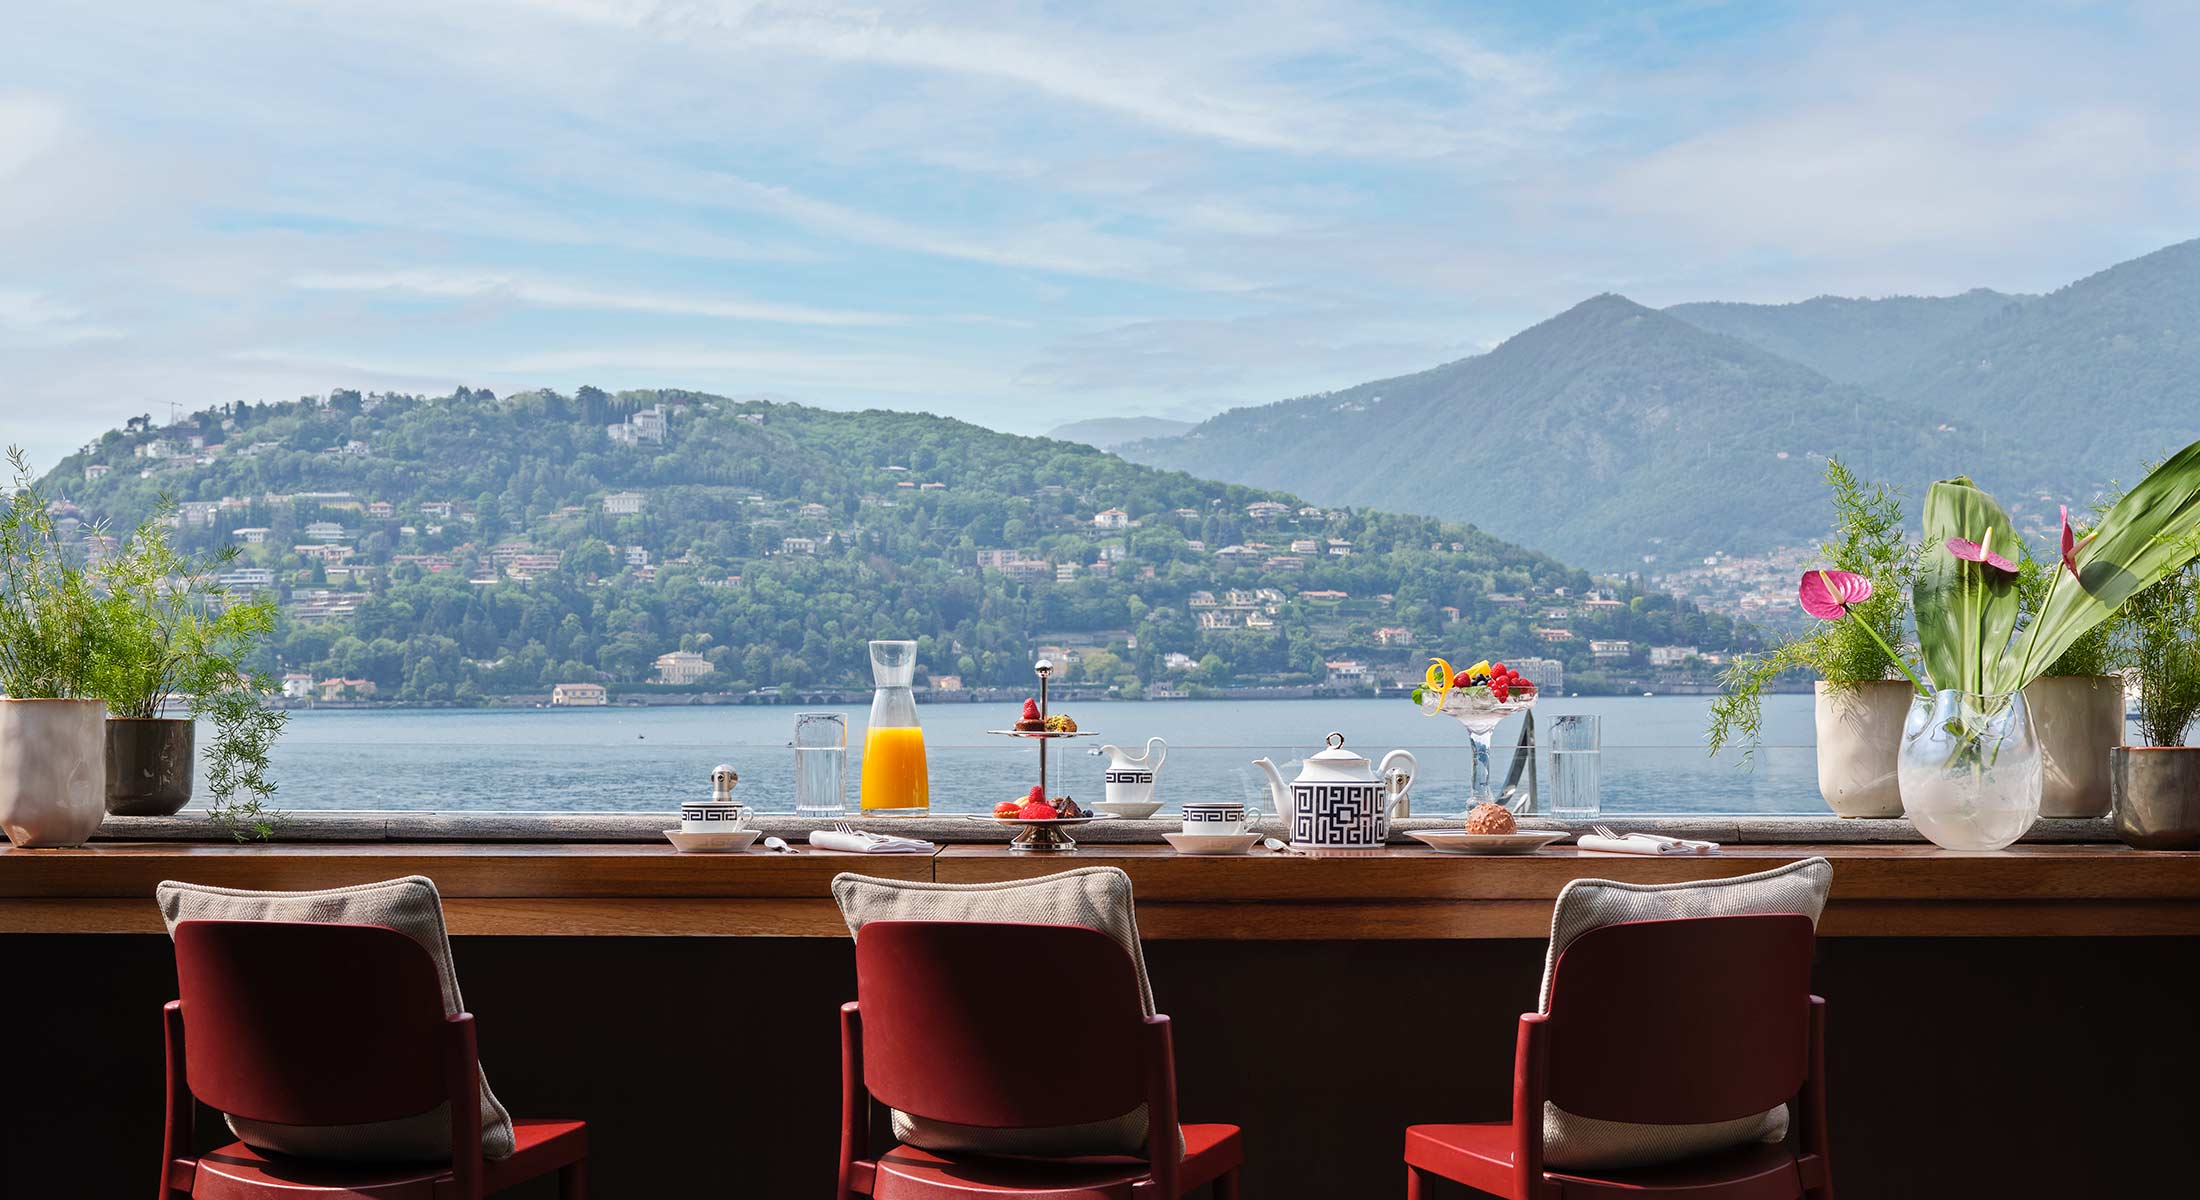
<point x="1970" y="769"/>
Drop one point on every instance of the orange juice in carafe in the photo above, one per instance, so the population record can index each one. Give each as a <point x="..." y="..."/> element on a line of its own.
<point x="895" y="782"/>
<point x="894" y="777"/>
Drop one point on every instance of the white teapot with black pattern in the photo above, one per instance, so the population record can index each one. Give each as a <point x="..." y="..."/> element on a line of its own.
<point x="1338" y="802"/>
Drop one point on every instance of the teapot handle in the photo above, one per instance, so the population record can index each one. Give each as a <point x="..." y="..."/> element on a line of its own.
<point x="1156" y="750"/>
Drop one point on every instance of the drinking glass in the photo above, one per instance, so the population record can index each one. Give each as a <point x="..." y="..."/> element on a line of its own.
<point x="1576" y="744"/>
<point x="820" y="764"/>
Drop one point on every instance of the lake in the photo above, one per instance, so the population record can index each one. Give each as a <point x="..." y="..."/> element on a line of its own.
<point x="648" y="759"/>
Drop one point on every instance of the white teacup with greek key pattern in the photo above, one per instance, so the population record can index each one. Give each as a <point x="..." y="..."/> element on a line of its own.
<point x="1215" y="817"/>
<point x="713" y="816"/>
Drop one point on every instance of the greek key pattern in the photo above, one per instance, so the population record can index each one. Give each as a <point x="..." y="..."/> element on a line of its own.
<point x="1128" y="776"/>
<point x="1336" y="815"/>
<point x="1212" y="816"/>
<point x="710" y="814"/>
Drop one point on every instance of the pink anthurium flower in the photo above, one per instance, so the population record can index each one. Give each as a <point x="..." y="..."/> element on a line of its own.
<point x="1974" y="552"/>
<point x="2070" y="543"/>
<point x="1827" y="595"/>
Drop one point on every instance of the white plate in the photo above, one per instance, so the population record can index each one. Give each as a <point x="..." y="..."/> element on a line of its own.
<point x="714" y="843"/>
<point x="1213" y="843"/>
<point x="1459" y="841"/>
<point x="1130" y="810"/>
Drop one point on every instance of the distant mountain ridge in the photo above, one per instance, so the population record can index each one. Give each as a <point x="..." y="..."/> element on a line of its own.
<point x="1619" y="436"/>
<point x="1106" y="433"/>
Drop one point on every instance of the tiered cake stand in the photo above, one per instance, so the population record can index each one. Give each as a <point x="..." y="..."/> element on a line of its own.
<point x="1046" y="835"/>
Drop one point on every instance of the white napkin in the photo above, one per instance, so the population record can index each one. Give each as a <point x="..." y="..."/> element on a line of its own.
<point x="1643" y="843"/>
<point x="869" y="843"/>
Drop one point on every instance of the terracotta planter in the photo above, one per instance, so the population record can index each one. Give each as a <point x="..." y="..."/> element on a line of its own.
<point x="2157" y="791"/>
<point x="53" y="770"/>
<point x="149" y="765"/>
<point x="1859" y="737"/>
<point x="2079" y="719"/>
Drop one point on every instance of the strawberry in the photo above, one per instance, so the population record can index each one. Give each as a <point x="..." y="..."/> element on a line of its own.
<point x="1037" y="793"/>
<point x="1031" y="709"/>
<point x="1497" y="669"/>
<point x="1038" y="810"/>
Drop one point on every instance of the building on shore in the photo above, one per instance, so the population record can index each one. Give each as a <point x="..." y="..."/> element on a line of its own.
<point x="579" y="695"/>
<point x="683" y="667"/>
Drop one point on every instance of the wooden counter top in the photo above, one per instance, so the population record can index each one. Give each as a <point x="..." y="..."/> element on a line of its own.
<point x="1399" y="892"/>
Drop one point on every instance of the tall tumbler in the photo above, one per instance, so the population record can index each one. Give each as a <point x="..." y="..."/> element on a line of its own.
<point x="820" y="764"/>
<point x="1576" y="745"/>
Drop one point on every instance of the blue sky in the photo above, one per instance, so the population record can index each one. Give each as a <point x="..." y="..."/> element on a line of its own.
<point x="1019" y="214"/>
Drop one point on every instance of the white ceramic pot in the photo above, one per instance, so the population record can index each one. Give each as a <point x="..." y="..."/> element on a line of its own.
<point x="53" y="770"/>
<point x="1859" y="739"/>
<point x="2079" y="718"/>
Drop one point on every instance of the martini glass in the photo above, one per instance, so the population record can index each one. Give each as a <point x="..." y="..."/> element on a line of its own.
<point x="1479" y="709"/>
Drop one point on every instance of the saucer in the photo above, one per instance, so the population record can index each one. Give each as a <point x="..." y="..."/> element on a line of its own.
<point x="714" y="843"/>
<point x="1212" y="843"/>
<point x="1130" y="810"/>
<point x="1459" y="841"/>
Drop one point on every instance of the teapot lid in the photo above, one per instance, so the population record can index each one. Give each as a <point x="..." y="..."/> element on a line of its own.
<point x="1336" y="754"/>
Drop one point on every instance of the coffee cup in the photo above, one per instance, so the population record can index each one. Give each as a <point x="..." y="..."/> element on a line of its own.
<point x="713" y="816"/>
<point x="1215" y="817"/>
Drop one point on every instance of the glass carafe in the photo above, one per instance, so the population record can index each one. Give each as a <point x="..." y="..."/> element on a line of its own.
<point x="895" y="782"/>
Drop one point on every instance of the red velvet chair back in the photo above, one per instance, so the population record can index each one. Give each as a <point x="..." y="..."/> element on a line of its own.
<point x="1681" y="1022"/>
<point x="310" y="1024"/>
<point x="1000" y="1026"/>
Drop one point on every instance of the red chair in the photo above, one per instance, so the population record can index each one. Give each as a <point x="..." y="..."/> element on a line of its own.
<point x="1675" y="1022"/>
<point x="934" y="1032"/>
<point x="317" y="1024"/>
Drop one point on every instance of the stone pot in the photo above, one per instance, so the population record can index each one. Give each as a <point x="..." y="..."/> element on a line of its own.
<point x="1859" y="738"/>
<point x="2157" y="790"/>
<point x="149" y="764"/>
<point x="2079" y="719"/>
<point x="53" y="770"/>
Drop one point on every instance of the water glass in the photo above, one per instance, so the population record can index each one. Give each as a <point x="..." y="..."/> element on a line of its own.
<point x="820" y="764"/>
<point x="1576" y="750"/>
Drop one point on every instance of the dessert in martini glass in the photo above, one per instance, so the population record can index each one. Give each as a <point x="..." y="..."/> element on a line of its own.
<point x="1480" y="698"/>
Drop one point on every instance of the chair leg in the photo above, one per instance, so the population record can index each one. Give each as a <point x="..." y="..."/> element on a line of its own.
<point x="1226" y="1185"/>
<point x="1416" y="1183"/>
<point x="573" y="1181"/>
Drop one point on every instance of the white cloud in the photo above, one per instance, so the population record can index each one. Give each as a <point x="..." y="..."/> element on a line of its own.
<point x="472" y="285"/>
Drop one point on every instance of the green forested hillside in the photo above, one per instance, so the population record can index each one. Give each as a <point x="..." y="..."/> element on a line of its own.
<point x="1850" y="340"/>
<point x="453" y="547"/>
<point x="2098" y="377"/>
<point x="1606" y="434"/>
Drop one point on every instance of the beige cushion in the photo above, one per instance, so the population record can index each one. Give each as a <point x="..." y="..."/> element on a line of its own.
<point x="1096" y="897"/>
<point x="1584" y="1143"/>
<point x="410" y="906"/>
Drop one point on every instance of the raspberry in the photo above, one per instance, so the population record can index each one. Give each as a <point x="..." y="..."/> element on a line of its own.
<point x="1039" y="810"/>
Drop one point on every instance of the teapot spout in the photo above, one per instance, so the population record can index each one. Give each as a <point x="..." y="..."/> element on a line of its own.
<point x="1278" y="793"/>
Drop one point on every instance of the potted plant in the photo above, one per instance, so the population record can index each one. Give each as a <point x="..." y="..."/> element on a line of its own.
<point x="2077" y="707"/>
<point x="1860" y="709"/>
<point x="1970" y="765"/>
<point x="2157" y="786"/>
<point x="52" y="759"/>
<point x="172" y="632"/>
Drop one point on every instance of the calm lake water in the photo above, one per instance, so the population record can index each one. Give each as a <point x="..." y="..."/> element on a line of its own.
<point x="648" y="759"/>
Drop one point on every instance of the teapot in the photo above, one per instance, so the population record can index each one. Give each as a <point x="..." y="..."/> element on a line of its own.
<point x="1337" y="802"/>
<point x="1132" y="778"/>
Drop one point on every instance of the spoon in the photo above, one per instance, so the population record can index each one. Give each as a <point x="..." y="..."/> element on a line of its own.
<point x="1280" y="846"/>
<point x="779" y="846"/>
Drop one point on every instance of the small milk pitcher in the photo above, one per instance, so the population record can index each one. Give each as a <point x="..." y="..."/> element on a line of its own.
<point x="1132" y="778"/>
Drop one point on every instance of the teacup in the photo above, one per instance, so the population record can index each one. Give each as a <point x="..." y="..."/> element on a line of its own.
<point x="1215" y="817"/>
<point x="713" y="816"/>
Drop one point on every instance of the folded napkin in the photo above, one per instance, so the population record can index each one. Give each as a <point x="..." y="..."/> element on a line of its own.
<point x="869" y="843"/>
<point x="1644" y="843"/>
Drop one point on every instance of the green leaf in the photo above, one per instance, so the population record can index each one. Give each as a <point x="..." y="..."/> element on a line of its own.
<point x="2147" y="535"/>
<point x="1966" y="612"/>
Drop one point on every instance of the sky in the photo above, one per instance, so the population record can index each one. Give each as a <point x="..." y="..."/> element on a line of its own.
<point x="1017" y="214"/>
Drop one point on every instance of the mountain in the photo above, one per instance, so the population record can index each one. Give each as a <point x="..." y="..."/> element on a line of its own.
<point x="1605" y="434"/>
<point x="1109" y="432"/>
<point x="447" y="549"/>
<point x="1850" y="340"/>
<point x="2099" y="377"/>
